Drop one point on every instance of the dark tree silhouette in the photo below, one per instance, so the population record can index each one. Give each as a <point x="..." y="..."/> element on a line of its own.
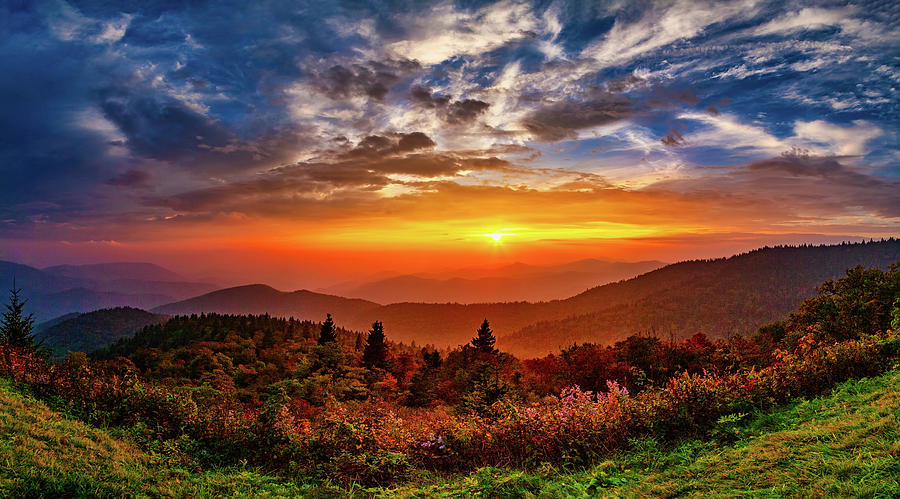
<point x="484" y="341"/>
<point x="432" y="359"/>
<point x="16" y="328"/>
<point x="376" y="352"/>
<point x="327" y="334"/>
<point x="423" y="385"/>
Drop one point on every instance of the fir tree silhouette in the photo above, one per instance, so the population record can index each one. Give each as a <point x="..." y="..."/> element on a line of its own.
<point x="376" y="352"/>
<point x="484" y="341"/>
<point x="328" y="334"/>
<point x="16" y="328"/>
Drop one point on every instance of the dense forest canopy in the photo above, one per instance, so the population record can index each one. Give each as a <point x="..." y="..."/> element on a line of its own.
<point x="253" y="356"/>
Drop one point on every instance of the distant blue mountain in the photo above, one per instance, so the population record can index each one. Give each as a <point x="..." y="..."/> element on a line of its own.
<point x="66" y="289"/>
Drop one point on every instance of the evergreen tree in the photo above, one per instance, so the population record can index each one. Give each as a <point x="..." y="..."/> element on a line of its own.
<point x="484" y="341"/>
<point x="16" y="328"/>
<point x="423" y="385"/>
<point x="431" y="359"/>
<point x="376" y="352"/>
<point x="328" y="333"/>
<point x="484" y="388"/>
<point x="359" y="342"/>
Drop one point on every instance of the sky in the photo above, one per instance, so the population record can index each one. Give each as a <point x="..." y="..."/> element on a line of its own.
<point x="302" y="143"/>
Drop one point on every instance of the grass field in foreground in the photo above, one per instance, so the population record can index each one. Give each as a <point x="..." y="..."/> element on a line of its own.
<point x="45" y="454"/>
<point x="846" y="443"/>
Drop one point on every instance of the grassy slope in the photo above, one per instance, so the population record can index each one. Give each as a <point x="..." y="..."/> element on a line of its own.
<point x="43" y="453"/>
<point x="843" y="444"/>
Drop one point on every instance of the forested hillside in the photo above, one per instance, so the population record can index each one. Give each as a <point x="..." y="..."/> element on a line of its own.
<point x="510" y="283"/>
<point x="262" y="299"/>
<point x="720" y="297"/>
<point x="92" y="330"/>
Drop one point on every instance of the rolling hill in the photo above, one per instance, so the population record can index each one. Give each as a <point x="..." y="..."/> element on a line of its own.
<point x="723" y="297"/>
<point x="90" y="331"/>
<point x="261" y="299"/>
<point x="64" y="289"/>
<point x="719" y="297"/>
<point x="137" y="271"/>
<point x="510" y="283"/>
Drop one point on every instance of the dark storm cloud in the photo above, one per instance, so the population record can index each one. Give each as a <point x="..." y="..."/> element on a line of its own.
<point x="160" y="128"/>
<point x="562" y="120"/>
<point x="465" y="111"/>
<point x="94" y="90"/>
<point x="373" y="80"/>
<point x="414" y="141"/>
<point x="336" y="180"/>
<point x="377" y="146"/>
<point x="616" y="100"/>
<point x="831" y="170"/>
<point x="423" y="96"/>
<point x="60" y="78"/>
<point x="453" y="112"/>
<point x="44" y="153"/>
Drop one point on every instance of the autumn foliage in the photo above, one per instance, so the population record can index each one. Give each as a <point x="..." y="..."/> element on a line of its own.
<point x="330" y="410"/>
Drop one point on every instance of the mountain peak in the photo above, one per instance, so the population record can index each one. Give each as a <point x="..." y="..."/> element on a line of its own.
<point x="112" y="271"/>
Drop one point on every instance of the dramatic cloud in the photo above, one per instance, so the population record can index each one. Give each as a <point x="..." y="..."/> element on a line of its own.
<point x="562" y="120"/>
<point x="374" y="164"/>
<point x="573" y="121"/>
<point x="464" y="111"/>
<point x="376" y="146"/>
<point x="447" y="31"/>
<point x="373" y="80"/>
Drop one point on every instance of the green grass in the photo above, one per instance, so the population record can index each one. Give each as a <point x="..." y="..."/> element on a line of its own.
<point x="45" y="454"/>
<point x="844" y="444"/>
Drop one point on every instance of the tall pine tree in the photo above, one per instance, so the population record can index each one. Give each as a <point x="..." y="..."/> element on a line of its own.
<point x="376" y="352"/>
<point x="328" y="333"/>
<point x="16" y="328"/>
<point x="484" y="341"/>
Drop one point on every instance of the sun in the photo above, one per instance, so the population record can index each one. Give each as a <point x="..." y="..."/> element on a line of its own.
<point x="496" y="236"/>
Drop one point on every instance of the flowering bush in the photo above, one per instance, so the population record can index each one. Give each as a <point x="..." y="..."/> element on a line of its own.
<point x="578" y="426"/>
<point x="376" y="442"/>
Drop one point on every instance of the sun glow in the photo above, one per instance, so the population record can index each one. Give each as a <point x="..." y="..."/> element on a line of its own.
<point x="496" y="236"/>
